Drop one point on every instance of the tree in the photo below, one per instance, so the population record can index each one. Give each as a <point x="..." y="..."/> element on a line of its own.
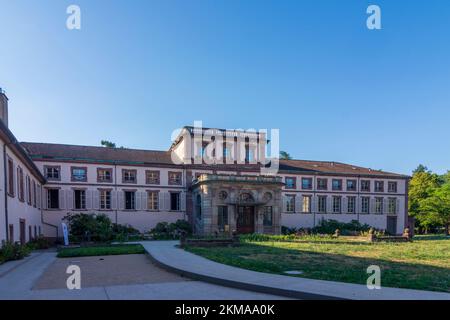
<point x="421" y="187"/>
<point x="285" y="156"/>
<point x="108" y="144"/>
<point x="421" y="168"/>
<point x="436" y="208"/>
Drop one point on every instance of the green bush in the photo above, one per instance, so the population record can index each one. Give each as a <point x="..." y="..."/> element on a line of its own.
<point x="166" y="231"/>
<point x="98" y="228"/>
<point x="10" y="251"/>
<point x="330" y="226"/>
<point x="39" y="243"/>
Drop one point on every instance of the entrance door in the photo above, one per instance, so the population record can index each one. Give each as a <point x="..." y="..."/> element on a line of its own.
<point x="391" y="227"/>
<point x="246" y="219"/>
<point x="22" y="232"/>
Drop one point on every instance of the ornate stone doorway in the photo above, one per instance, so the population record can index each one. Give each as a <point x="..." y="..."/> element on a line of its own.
<point x="245" y="220"/>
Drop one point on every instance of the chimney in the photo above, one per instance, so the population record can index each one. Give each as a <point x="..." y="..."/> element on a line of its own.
<point x="3" y="107"/>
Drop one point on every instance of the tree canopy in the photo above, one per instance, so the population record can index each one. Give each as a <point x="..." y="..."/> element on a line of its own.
<point x="429" y="198"/>
<point x="285" y="156"/>
<point x="108" y="144"/>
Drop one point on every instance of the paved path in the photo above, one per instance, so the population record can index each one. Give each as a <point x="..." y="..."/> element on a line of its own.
<point x="169" y="256"/>
<point x="17" y="278"/>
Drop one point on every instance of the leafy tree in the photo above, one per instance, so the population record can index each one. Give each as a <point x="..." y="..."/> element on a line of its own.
<point x="436" y="208"/>
<point x="285" y="156"/>
<point x="421" y="187"/>
<point x="108" y="144"/>
<point x="421" y="168"/>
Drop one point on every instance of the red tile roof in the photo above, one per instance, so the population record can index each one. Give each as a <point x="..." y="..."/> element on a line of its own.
<point x="63" y="152"/>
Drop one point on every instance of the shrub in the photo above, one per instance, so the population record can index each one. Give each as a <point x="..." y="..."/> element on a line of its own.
<point x="39" y="243"/>
<point x="13" y="251"/>
<point x="97" y="228"/>
<point x="165" y="231"/>
<point x="330" y="226"/>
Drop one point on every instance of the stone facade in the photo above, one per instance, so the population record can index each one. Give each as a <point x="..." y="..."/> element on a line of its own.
<point x="223" y="204"/>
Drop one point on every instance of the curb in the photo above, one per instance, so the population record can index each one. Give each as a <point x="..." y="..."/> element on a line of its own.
<point x="242" y="285"/>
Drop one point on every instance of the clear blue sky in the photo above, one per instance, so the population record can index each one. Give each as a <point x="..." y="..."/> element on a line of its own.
<point x="139" y="69"/>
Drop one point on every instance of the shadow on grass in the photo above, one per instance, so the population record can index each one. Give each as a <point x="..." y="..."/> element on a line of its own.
<point x="330" y="266"/>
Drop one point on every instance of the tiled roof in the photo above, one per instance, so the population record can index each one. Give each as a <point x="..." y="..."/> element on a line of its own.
<point x="63" y="152"/>
<point x="96" y="154"/>
<point x="330" y="167"/>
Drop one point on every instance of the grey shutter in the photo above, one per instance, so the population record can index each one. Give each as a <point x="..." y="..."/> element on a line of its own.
<point x="144" y="201"/>
<point x="183" y="201"/>
<point x="89" y="199"/>
<point x="161" y="201"/>
<point x="371" y="205"/>
<point x="167" y="200"/>
<point x="114" y="195"/>
<point x="344" y="205"/>
<point x="284" y="203"/>
<point x="138" y="196"/>
<point x="298" y="203"/>
<point x="385" y="205"/>
<point x="45" y="199"/>
<point x="121" y="199"/>
<point x="96" y="199"/>
<point x="69" y="199"/>
<point x="329" y="204"/>
<point x="62" y="199"/>
<point x="397" y="207"/>
<point x="314" y="204"/>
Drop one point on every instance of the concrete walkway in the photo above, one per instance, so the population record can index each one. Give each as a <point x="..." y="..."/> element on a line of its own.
<point x="167" y="255"/>
<point x="17" y="278"/>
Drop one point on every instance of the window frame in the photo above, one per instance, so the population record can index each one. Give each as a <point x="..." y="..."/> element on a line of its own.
<point x="339" y="188"/>
<point x="78" y="168"/>
<point x="172" y="193"/>
<point x="395" y="184"/>
<point x="368" y="185"/>
<point x="333" y="203"/>
<point x="379" y="182"/>
<point x="46" y="169"/>
<point x="49" y="202"/>
<point x="266" y="212"/>
<point x="310" y="180"/>
<point x="294" y="183"/>
<point x="290" y="205"/>
<point x="133" y="202"/>
<point x="101" y="200"/>
<point x="130" y="172"/>
<point x="309" y="201"/>
<point x="355" y="184"/>
<point x="172" y="182"/>
<point x="157" y="180"/>
<point x="353" y="198"/>
<point x="155" y="201"/>
<point x="319" y="198"/>
<point x="99" y="176"/>
<point x="322" y="187"/>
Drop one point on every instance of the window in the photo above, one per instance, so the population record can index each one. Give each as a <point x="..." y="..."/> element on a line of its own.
<point x="10" y="177"/>
<point x="79" y="174"/>
<point x="21" y="192"/>
<point x="104" y="175"/>
<point x="365" y="185"/>
<point x="337" y="204"/>
<point x="175" y="178"/>
<point x="267" y="216"/>
<point x="392" y="205"/>
<point x="336" y="184"/>
<point x="105" y="199"/>
<point x="379" y="186"/>
<point x="130" y="200"/>
<point x="322" y="204"/>
<point x="128" y="176"/>
<point x="153" y="200"/>
<point x="392" y="186"/>
<point x="351" y="185"/>
<point x="307" y="183"/>
<point x="79" y="199"/>
<point x="322" y="184"/>
<point x="290" y="182"/>
<point x="351" y="204"/>
<point x="365" y="204"/>
<point x="175" y="201"/>
<point x="53" y="198"/>
<point x="306" y="204"/>
<point x="52" y="173"/>
<point x="152" y="177"/>
<point x="379" y="205"/>
<point x="290" y="203"/>
<point x="222" y="217"/>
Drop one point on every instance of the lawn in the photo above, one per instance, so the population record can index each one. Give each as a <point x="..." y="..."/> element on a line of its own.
<point x="422" y="264"/>
<point x="106" y="250"/>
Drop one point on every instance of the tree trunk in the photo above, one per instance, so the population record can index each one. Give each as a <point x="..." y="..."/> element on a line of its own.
<point x="447" y="227"/>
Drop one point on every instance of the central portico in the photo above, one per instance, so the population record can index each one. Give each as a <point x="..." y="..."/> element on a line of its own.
<point x="245" y="204"/>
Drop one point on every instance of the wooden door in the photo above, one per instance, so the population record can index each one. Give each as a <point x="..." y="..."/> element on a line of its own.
<point x="246" y="219"/>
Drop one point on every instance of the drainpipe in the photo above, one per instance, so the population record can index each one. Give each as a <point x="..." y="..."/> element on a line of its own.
<point x="115" y="189"/>
<point x="6" y="192"/>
